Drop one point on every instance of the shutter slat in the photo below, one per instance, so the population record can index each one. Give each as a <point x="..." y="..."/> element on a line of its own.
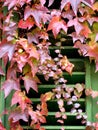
<point x="70" y="121"/>
<point x="70" y="78"/>
<point x="58" y="127"/>
<point x="38" y="100"/>
<point x="66" y="127"/>
<point x="53" y="103"/>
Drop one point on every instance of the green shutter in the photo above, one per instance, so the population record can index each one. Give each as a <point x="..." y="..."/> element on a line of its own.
<point x="78" y="76"/>
<point x="83" y="73"/>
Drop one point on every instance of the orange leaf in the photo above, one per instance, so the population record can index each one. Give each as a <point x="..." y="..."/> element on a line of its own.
<point x="48" y="96"/>
<point x="44" y="109"/>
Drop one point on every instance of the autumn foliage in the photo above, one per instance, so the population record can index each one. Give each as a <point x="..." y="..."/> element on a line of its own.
<point x="26" y="30"/>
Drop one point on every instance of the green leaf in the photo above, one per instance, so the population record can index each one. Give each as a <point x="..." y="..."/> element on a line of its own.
<point x="95" y="27"/>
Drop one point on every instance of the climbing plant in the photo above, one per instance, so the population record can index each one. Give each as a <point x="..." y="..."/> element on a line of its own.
<point x="28" y="29"/>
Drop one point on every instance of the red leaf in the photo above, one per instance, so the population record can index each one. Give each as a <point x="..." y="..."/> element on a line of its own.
<point x="77" y="25"/>
<point x="75" y="4"/>
<point x="9" y="85"/>
<point x="7" y="49"/>
<point x="77" y="37"/>
<point x="83" y="48"/>
<point x="56" y="24"/>
<point x="10" y="30"/>
<point x="28" y="23"/>
<point x="29" y="48"/>
<point x="36" y="116"/>
<point x="20" y="97"/>
<point x="69" y="14"/>
<point x="38" y="12"/>
<point x="33" y="116"/>
<point x="36" y="35"/>
<point x="29" y="82"/>
<point x="34" y="66"/>
<point x="41" y="118"/>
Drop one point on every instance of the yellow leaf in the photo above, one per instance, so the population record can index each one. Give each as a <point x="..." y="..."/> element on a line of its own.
<point x="48" y="96"/>
<point x="95" y="6"/>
